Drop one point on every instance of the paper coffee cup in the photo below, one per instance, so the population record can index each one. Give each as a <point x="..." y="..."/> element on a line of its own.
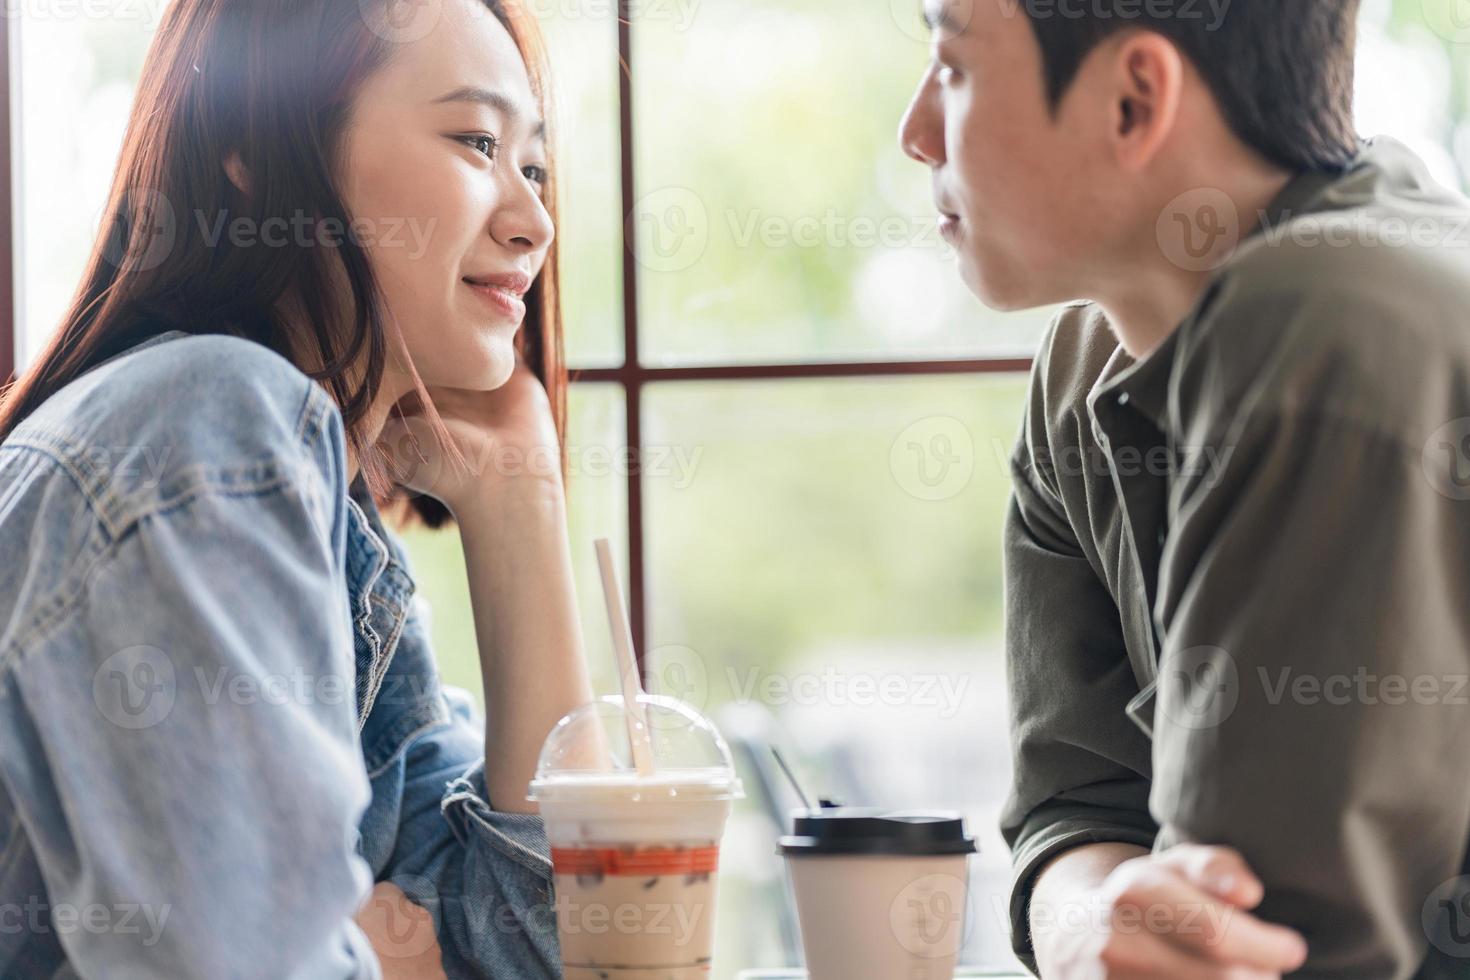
<point x="635" y="857"/>
<point x="880" y="894"/>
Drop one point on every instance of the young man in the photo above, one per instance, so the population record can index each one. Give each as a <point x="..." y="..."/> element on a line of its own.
<point x="1238" y="554"/>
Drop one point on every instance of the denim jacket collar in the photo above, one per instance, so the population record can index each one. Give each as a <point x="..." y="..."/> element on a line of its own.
<point x="379" y="589"/>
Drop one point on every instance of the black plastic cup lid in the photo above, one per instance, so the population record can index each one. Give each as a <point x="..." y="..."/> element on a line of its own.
<point x="862" y="830"/>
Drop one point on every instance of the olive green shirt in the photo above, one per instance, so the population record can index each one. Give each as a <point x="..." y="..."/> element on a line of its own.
<point x="1238" y="578"/>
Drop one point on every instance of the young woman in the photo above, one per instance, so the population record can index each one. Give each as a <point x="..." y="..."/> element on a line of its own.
<point x="327" y="281"/>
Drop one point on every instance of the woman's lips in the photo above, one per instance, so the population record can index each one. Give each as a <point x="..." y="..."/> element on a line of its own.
<point x="502" y="300"/>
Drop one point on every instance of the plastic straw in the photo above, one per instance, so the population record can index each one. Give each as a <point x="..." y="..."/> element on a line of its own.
<point x="622" y="637"/>
<point x="795" y="783"/>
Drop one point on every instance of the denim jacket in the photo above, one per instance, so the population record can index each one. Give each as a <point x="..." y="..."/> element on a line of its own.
<point x="220" y="717"/>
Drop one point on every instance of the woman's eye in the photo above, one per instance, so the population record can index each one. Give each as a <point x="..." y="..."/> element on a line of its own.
<point x="482" y="142"/>
<point x="535" y="174"/>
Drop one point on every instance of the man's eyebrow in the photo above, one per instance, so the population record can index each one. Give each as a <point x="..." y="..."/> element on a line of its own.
<point x="494" y="100"/>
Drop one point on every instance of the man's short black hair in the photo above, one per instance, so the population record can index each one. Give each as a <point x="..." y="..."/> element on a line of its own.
<point x="1282" y="70"/>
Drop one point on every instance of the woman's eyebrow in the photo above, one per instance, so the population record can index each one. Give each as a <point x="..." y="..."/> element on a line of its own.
<point x="495" y="100"/>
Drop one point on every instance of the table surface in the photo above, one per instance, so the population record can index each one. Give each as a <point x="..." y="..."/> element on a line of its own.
<point x="960" y="974"/>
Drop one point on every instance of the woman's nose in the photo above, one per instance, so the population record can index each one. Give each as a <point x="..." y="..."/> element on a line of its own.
<point x="523" y="222"/>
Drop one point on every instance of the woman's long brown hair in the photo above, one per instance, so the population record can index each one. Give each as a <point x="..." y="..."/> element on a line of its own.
<point x="271" y="80"/>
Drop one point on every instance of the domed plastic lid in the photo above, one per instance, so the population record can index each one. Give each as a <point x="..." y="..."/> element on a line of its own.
<point x="590" y="748"/>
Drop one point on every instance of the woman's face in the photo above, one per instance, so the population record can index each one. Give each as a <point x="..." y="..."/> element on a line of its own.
<point x="443" y="174"/>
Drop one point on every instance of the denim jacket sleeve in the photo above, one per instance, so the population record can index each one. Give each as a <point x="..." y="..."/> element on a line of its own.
<point x="177" y="730"/>
<point x="483" y="874"/>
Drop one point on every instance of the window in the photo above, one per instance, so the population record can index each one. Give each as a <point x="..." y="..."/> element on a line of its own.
<point x="820" y="414"/>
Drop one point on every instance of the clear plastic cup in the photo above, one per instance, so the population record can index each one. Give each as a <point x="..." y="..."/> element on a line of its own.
<point x="635" y="856"/>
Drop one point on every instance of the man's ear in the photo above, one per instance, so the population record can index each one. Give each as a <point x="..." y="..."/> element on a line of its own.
<point x="235" y="170"/>
<point x="1149" y="86"/>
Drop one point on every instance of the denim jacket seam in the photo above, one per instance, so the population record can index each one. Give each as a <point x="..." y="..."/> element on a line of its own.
<point x="365" y="608"/>
<point x="52" y="609"/>
<point x="370" y="599"/>
<point x="431" y="724"/>
<point x="394" y="560"/>
<point x="263" y="474"/>
<point x="109" y="508"/>
<point x="521" y="854"/>
<point x="394" y="609"/>
<point x="387" y="649"/>
<point x="471" y="801"/>
<point x="312" y="417"/>
<point x="378" y="666"/>
<point x="63" y="454"/>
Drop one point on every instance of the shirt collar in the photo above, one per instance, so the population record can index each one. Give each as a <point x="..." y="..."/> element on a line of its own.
<point x="1143" y="384"/>
<point x="1302" y="193"/>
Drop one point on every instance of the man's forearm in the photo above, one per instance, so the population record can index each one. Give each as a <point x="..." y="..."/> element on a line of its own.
<point x="526" y="626"/>
<point x="1062" y="886"/>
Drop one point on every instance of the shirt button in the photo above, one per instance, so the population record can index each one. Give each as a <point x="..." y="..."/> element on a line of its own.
<point x="1123" y="398"/>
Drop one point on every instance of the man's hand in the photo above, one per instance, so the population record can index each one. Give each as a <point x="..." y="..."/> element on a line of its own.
<point x="1179" y="915"/>
<point x="402" y="934"/>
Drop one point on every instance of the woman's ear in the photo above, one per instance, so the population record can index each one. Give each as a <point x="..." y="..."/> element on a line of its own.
<point x="235" y="170"/>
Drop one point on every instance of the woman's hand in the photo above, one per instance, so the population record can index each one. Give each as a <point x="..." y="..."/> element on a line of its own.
<point x="504" y="435"/>
<point x="510" y="506"/>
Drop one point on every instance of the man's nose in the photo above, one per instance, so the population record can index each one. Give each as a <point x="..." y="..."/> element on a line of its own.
<point x="921" y="134"/>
